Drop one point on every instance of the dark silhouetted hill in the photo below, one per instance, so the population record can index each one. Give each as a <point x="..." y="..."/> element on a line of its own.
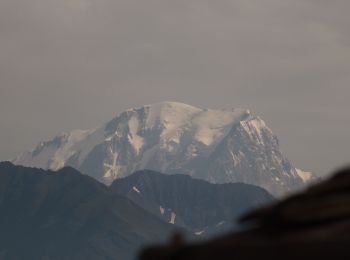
<point x="314" y="224"/>
<point x="197" y="205"/>
<point x="67" y="215"/>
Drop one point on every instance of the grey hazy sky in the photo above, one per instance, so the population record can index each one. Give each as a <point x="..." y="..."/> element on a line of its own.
<point x="67" y="64"/>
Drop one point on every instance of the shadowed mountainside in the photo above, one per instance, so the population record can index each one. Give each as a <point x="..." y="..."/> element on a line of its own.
<point x="314" y="224"/>
<point x="67" y="215"/>
<point x="197" y="205"/>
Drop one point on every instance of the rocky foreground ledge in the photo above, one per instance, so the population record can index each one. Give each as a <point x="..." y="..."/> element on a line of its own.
<point x="313" y="223"/>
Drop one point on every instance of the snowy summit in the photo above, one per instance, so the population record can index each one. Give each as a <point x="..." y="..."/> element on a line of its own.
<point x="216" y="145"/>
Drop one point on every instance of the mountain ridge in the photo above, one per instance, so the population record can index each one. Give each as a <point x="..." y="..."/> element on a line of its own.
<point x="215" y="145"/>
<point x="68" y="215"/>
<point x="196" y="205"/>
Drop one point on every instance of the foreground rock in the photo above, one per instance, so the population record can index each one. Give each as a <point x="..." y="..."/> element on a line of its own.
<point x="312" y="224"/>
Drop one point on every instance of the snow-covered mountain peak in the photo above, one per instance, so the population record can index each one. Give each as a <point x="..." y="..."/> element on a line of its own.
<point x="170" y="105"/>
<point x="170" y="114"/>
<point x="228" y="145"/>
<point x="178" y="114"/>
<point x="172" y="120"/>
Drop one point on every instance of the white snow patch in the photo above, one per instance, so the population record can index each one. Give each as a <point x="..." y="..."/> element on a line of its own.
<point x="177" y="120"/>
<point x="53" y="157"/>
<point x="254" y="127"/>
<point x="235" y="158"/>
<point x="68" y="148"/>
<point x="108" y="139"/>
<point x="112" y="169"/>
<point x="136" y="189"/>
<point x="172" y="114"/>
<point x="134" y="139"/>
<point x="220" y="223"/>
<point x="212" y="125"/>
<point x="173" y="218"/>
<point x="162" y="210"/>
<point x="199" y="233"/>
<point x="305" y="176"/>
<point x="173" y="118"/>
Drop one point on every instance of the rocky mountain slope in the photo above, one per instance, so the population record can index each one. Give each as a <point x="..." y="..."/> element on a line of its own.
<point x="313" y="224"/>
<point x="195" y="205"/>
<point x="216" y="145"/>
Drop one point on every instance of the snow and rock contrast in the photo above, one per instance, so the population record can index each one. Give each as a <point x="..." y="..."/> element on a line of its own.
<point x="216" y="145"/>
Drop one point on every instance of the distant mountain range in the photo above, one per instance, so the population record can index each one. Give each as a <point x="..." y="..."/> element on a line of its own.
<point x="219" y="146"/>
<point x="196" y="205"/>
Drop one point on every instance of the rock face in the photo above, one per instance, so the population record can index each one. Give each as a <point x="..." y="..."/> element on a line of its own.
<point x="216" y="145"/>
<point x="196" y="205"/>
<point x="67" y="215"/>
<point x="314" y="224"/>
